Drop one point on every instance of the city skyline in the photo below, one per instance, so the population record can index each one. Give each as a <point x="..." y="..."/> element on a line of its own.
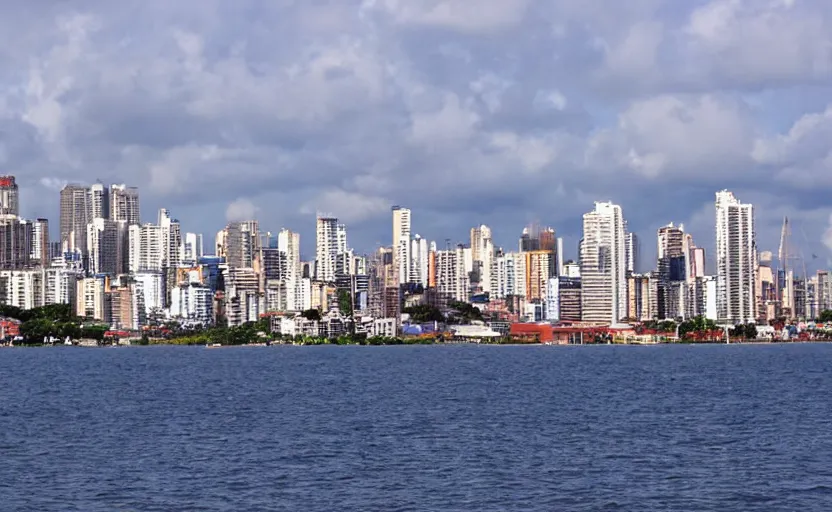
<point x="647" y="252"/>
<point x="454" y="113"/>
<point x="129" y="272"/>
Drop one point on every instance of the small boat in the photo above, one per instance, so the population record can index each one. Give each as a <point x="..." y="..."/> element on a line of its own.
<point x="213" y="345"/>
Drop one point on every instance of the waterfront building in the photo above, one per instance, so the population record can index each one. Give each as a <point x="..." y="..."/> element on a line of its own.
<point x="603" y="265"/>
<point x="642" y="297"/>
<point x="569" y="299"/>
<point x="24" y="289"/>
<point x="150" y="291"/>
<point x="672" y="265"/>
<point x="91" y="298"/>
<point x="192" y="304"/>
<point x="736" y="255"/>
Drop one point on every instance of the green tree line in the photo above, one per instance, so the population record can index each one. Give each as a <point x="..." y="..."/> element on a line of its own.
<point x="54" y="320"/>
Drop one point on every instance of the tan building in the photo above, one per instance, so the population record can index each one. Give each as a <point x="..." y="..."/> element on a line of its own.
<point x="540" y="266"/>
<point x="642" y="297"/>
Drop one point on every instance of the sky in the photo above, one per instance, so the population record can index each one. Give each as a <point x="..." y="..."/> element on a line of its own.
<point x="501" y="112"/>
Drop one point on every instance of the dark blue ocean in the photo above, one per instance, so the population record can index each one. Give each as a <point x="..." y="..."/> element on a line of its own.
<point x="438" y="428"/>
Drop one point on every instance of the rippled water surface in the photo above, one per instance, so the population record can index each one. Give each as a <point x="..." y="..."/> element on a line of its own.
<point x="476" y="428"/>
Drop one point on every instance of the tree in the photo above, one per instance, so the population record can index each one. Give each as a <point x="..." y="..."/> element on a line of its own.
<point x="424" y="313"/>
<point x="750" y="331"/>
<point x="345" y="302"/>
<point x="465" y="312"/>
<point x="311" y="314"/>
<point x="825" y="316"/>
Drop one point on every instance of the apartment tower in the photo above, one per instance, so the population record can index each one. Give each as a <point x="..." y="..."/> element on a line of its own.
<point x="603" y="265"/>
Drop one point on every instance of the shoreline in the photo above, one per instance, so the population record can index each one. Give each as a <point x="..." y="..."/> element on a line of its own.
<point x="253" y="345"/>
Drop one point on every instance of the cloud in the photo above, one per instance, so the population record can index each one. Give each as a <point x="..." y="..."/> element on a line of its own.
<point x="500" y="112"/>
<point x="458" y="15"/>
<point x="827" y="236"/>
<point x="349" y="207"/>
<point x="53" y="184"/>
<point x="241" y="209"/>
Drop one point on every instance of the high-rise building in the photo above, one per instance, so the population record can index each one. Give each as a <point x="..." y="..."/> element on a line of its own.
<point x="41" y="248"/>
<point x="540" y="268"/>
<point x="73" y="222"/>
<point x="326" y="248"/>
<point x="192" y="303"/>
<point x="697" y="262"/>
<point x="736" y="255"/>
<point x="239" y="245"/>
<point x="672" y="264"/>
<point x="192" y="249"/>
<point x="482" y="255"/>
<point x="603" y="265"/>
<point x="420" y="261"/>
<point x="98" y="202"/>
<point x="288" y="243"/>
<point x="642" y="297"/>
<point x="91" y="300"/>
<point x="9" y="197"/>
<point x="401" y="242"/>
<point x="510" y="275"/>
<point x="452" y="280"/>
<point x="15" y="243"/>
<point x="124" y="204"/>
<point x="103" y="244"/>
<point x="171" y="233"/>
<point x="632" y="250"/>
<point x="530" y="238"/>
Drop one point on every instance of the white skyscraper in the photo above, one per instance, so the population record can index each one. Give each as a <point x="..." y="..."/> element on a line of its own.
<point x="171" y="238"/>
<point x="482" y="255"/>
<point x="632" y="252"/>
<point x="98" y="202"/>
<point x="401" y="242"/>
<point x="419" y="261"/>
<point x="510" y="278"/>
<point x="150" y="286"/>
<point x="326" y="248"/>
<point x="192" y="249"/>
<point x="451" y="277"/>
<point x="736" y="259"/>
<point x="603" y="265"/>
